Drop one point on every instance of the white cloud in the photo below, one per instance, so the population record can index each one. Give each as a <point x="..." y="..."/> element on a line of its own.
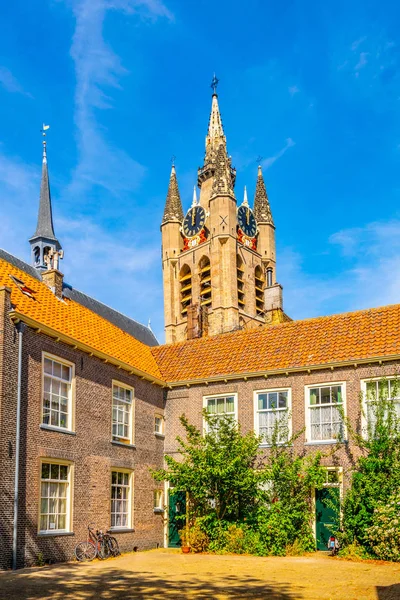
<point x="10" y="83"/>
<point x="268" y="162"/>
<point x="362" y="61"/>
<point x="293" y="90"/>
<point x="367" y="275"/>
<point x="98" y="70"/>
<point x="358" y="42"/>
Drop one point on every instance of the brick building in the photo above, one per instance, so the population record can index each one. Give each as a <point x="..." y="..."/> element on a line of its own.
<point x="89" y="402"/>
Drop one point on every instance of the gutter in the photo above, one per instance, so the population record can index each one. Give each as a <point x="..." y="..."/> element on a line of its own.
<point x="20" y="328"/>
<point x="106" y="358"/>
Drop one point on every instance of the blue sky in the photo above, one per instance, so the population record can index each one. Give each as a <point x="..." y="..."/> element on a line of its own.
<point x="312" y="87"/>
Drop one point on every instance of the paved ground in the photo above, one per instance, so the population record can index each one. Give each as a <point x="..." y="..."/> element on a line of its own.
<point x="169" y="574"/>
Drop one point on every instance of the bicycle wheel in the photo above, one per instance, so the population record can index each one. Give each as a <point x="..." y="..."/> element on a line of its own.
<point x="103" y="550"/>
<point x="85" y="551"/>
<point x="113" y="545"/>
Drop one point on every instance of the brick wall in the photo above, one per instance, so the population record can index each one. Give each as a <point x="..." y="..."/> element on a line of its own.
<point x="89" y="450"/>
<point x="190" y="402"/>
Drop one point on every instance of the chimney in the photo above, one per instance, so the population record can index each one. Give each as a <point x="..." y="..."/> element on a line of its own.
<point x="53" y="278"/>
<point x="193" y="322"/>
<point x="273" y="302"/>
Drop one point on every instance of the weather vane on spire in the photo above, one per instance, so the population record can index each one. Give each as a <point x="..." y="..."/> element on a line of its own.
<point x="214" y="84"/>
<point x="43" y="131"/>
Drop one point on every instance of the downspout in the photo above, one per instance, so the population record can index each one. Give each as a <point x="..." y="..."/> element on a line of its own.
<point x="20" y="329"/>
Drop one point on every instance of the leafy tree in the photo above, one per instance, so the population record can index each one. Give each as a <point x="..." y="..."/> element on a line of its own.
<point x="376" y="477"/>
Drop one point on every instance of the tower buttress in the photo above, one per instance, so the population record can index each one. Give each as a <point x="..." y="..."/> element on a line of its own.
<point x="266" y="227"/>
<point x="45" y="247"/>
<point x="172" y="244"/>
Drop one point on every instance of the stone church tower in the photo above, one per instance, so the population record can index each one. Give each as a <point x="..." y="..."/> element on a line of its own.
<point x="219" y="259"/>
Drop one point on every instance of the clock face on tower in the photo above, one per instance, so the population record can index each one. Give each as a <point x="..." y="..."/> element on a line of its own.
<point x="194" y="221"/>
<point x="247" y="221"/>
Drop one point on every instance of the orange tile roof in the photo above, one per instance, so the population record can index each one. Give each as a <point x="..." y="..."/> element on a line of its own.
<point x="69" y="318"/>
<point x="346" y="337"/>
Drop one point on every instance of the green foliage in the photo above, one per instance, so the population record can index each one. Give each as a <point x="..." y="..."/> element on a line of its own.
<point x="239" y="501"/>
<point x="377" y="474"/>
<point x="384" y="534"/>
<point x="40" y="562"/>
<point x="354" y="552"/>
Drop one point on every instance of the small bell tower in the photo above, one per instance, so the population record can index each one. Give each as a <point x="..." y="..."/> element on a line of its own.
<point x="45" y="248"/>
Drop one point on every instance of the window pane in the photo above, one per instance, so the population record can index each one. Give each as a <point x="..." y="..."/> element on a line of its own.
<point x="371" y="390"/>
<point x="283" y="399"/>
<point x="383" y="387"/>
<point x="272" y="400"/>
<point x="46" y="470"/>
<point x="230" y="404"/>
<point x="211" y="406"/>
<point x="314" y="396"/>
<point x="336" y="393"/>
<point x="56" y="369"/>
<point x="66" y="372"/>
<point x="220" y="405"/>
<point x="54" y="471"/>
<point x="262" y="401"/>
<point x="47" y="366"/>
<point x="325" y="395"/>
<point x="63" y="472"/>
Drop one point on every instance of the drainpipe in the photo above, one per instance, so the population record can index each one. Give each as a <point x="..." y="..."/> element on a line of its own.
<point x="20" y="329"/>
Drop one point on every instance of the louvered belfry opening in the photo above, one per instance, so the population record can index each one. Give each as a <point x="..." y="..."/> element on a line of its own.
<point x="205" y="282"/>
<point x="240" y="282"/>
<point x="259" y="281"/>
<point x="185" y="280"/>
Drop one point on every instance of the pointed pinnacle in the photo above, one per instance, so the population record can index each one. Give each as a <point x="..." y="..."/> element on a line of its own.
<point x="245" y="200"/>
<point x="194" y="202"/>
<point x="262" y="208"/>
<point x="222" y="179"/>
<point x="173" y="205"/>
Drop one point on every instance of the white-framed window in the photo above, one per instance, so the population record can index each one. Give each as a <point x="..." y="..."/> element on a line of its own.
<point x="324" y="403"/>
<point x="58" y="376"/>
<point x="121" y="499"/>
<point x="122" y="413"/>
<point x="374" y="391"/>
<point x="158" y="500"/>
<point x="272" y="410"/>
<point x="55" y="497"/>
<point x="159" y="425"/>
<point x="219" y="406"/>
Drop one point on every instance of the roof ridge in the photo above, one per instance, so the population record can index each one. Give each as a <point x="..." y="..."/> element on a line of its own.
<point x="287" y="324"/>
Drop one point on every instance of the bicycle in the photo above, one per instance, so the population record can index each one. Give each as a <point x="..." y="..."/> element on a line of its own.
<point x="97" y="544"/>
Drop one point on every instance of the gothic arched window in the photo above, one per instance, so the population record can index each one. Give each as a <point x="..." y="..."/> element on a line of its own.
<point x="259" y="281"/>
<point x="240" y="282"/>
<point x="205" y="281"/>
<point x="185" y="280"/>
<point x="36" y="255"/>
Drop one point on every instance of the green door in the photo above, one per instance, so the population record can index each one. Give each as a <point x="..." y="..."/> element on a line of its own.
<point x="325" y="515"/>
<point x="177" y="507"/>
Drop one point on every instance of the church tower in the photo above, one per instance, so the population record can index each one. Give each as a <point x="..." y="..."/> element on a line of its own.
<point x="45" y="247"/>
<point x="219" y="259"/>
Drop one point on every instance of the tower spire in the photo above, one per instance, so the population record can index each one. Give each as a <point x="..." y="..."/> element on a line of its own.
<point x="215" y="135"/>
<point x="173" y="205"/>
<point x="262" y="208"/>
<point x="44" y="238"/>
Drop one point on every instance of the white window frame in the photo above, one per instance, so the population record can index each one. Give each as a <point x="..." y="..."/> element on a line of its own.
<point x="71" y="398"/>
<point x="364" y="422"/>
<point x="130" y="499"/>
<point x="307" y="389"/>
<point x="121" y="439"/>
<point x="226" y="395"/>
<point x="161" y="432"/>
<point x="288" y="411"/>
<point x="158" y="500"/>
<point x="69" y="497"/>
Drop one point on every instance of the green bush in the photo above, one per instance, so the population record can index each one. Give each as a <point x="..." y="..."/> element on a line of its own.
<point x="198" y="538"/>
<point x="384" y="534"/>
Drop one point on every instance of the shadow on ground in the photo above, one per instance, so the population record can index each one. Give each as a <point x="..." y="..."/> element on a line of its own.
<point x="388" y="592"/>
<point x="115" y="583"/>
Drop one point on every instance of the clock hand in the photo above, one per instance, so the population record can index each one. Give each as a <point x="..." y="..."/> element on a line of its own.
<point x="193" y="215"/>
<point x="247" y="216"/>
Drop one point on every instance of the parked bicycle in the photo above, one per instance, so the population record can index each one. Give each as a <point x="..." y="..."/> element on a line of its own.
<point x="100" y="544"/>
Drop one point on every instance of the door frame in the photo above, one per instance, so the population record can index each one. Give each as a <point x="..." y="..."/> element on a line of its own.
<point x="339" y="485"/>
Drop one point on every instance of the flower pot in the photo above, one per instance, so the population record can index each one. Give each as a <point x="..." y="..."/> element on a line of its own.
<point x="185" y="549"/>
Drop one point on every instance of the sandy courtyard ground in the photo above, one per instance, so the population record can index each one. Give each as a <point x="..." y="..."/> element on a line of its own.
<point x="170" y="574"/>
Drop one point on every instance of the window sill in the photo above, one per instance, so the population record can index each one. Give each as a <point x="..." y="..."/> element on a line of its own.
<point x="116" y="443"/>
<point x="271" y="445"/>
<point x="159" y="435"/>
<point x="120" y="530"/>
<point x="54" y="533"/>
<point x="158" y="511"/>
<point x="324" y="442"/>
<point x="58" y="429"/>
